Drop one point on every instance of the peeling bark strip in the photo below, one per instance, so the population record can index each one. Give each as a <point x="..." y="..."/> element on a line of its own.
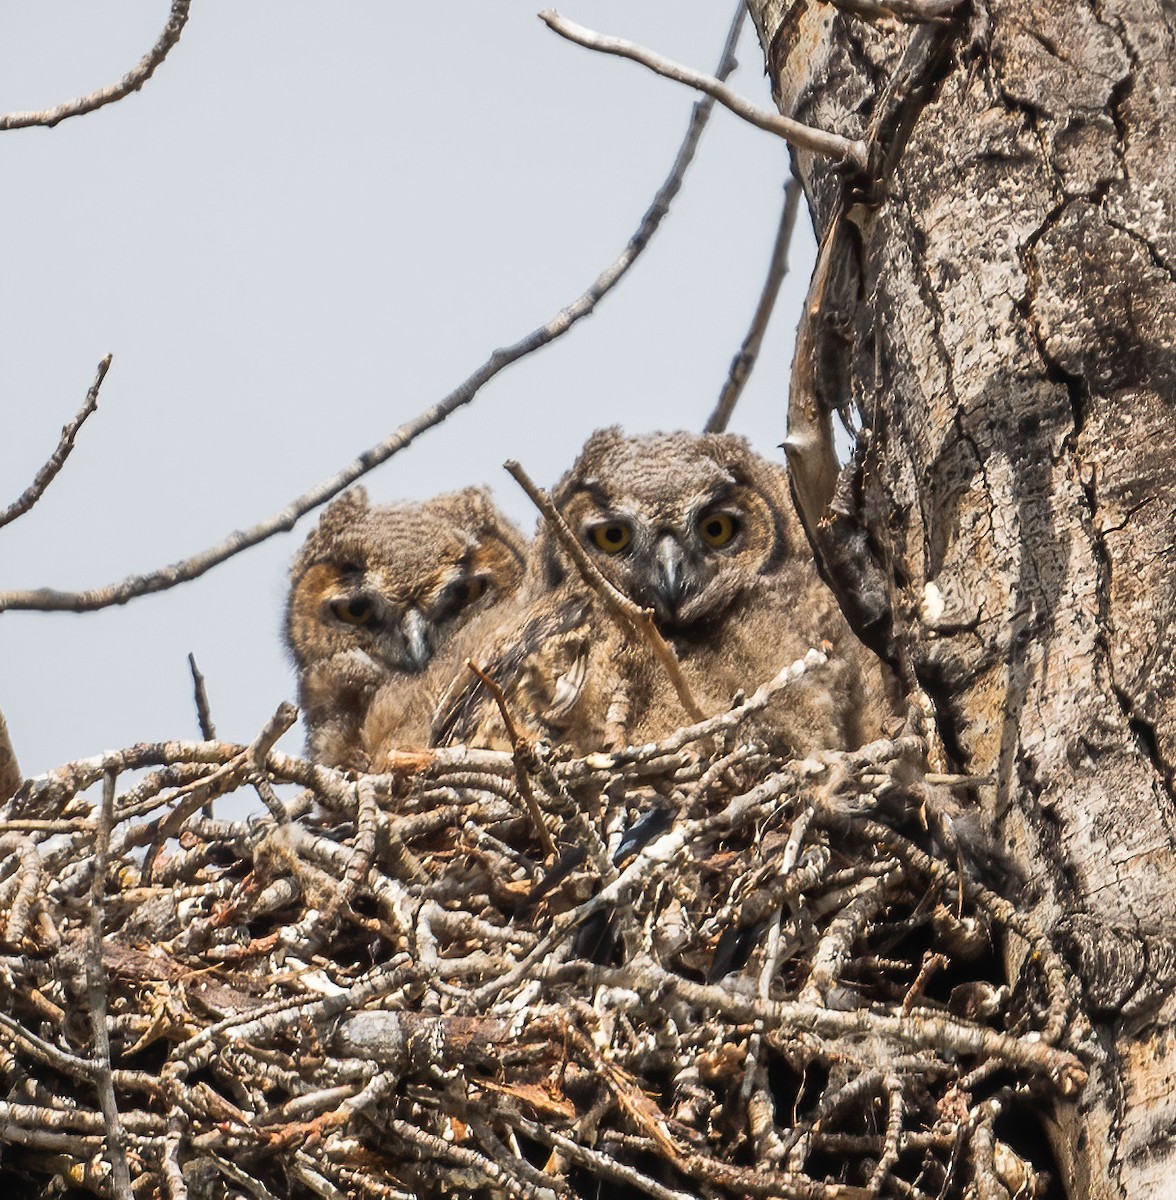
<point x="1008" y="299"/>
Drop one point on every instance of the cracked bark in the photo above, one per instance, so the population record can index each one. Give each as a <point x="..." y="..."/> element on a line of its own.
<point x="1002" y="318"/>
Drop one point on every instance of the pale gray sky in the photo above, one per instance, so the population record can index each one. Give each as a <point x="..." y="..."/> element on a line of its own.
<point x="312" y="223"/>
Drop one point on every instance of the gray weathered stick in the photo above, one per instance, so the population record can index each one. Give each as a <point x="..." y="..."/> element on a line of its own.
<point x="96" y="996"/>
<point x="804" y="137"/>
<point x="56" y="460"/>
<point x="130" y="82"/>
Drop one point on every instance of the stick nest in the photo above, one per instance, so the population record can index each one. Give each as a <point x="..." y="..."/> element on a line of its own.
<point x="738" y="975"/>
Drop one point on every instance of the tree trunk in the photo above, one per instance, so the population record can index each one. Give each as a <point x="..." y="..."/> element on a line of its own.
<point x="1000" y="314"/>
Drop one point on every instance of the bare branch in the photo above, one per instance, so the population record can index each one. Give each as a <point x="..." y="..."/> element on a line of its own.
<point x="56" y="461"/>
<point x="743" y="362"/>
<point x="131" y="82"/>
<point x="52" y="600"/>
<point x="637" y="621"/>
<point x="29" y="876"/>
<point x="804" y="137"/>
<point x="203" y="712"/>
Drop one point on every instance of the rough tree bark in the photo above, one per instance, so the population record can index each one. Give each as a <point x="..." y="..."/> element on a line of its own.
<point x="1001" y="312"/>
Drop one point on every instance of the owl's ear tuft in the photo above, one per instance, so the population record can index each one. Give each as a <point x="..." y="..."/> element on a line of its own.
<point x="345" y="509"/>
<point x="336" y="517"/>
<point x="486" y="524"/>
<point x="478" y="509"/>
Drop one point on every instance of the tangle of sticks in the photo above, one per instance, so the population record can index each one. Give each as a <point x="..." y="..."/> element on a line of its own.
<point x="736" y="976"/>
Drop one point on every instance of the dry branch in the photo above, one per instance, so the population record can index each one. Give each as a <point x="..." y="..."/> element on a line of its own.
<point x="804" y="137"/>
<point x="52" y="600"/>
<point x="916" y="11"/>
<point x="97" y="1002"/>
<point x="518" y="744"/>
<point x="56" y="460"/>
<point x="131" y="82"/>
<point x="744" y="362"/>
<point x="200" y="695"/>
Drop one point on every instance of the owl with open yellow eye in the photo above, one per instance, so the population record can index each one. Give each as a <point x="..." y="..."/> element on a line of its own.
<point x="700" y="530"/>
<point x="376" y="593"/>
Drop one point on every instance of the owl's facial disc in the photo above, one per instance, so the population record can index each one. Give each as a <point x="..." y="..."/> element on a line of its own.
<point x="400" y="636"/>
<point x="426" y="622"/>
<point x="682" y="564"/>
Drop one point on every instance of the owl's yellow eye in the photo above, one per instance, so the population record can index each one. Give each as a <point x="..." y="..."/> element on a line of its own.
<point x="355" y="610"/>
<point x="611" y="536"/>
<point x="717" y="528"/>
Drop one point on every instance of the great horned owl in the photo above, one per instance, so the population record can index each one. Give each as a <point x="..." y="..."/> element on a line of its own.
<point x="377" y="591"/>
<point x="701" y="530"/>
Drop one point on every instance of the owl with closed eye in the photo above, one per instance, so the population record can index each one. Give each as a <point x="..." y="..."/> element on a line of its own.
<point x="700" y="530"/>
<point x="377" y="592"/>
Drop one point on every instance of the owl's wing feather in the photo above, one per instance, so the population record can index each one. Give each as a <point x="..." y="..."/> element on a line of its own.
<point x="460" y="712"/>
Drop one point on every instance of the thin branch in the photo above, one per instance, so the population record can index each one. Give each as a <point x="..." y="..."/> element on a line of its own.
<point x="744" y="362"/>
<point x="804" y="137"/>
<point x="29" y="873"/>
<point x="96" y="995"/>
<point x="52" y="600"/>
<point x="131" y="82"/>
<point x="637" y="621"/>
<point x="203" y="712"/>
<point x="519" y="751"/>
<point x="56" y="461"/>
<point x="596" y="1161"/>
<point x="731" y="718"/>
<point x="927" y="1028"/>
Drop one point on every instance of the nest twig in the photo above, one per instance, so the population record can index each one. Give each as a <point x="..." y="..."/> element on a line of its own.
<point x="378" y="987"/>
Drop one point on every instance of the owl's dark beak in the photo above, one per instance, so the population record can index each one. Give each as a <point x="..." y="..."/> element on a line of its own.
<point x="670" y="566"/>
<point x="417" y="649"/>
